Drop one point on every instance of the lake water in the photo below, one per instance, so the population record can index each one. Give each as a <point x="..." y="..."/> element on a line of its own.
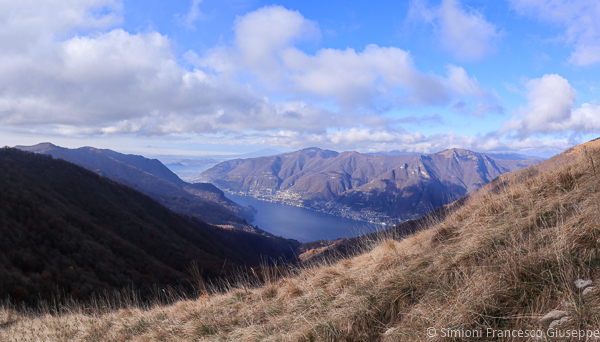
<point x="301" y="224"/>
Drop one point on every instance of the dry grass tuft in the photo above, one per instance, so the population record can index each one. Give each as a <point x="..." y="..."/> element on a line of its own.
<point x="500" y="262"/>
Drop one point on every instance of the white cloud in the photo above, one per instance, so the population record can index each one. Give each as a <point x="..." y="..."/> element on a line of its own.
<point x="580" y="20"/>
<point x="359" y="78"/>
<point x="550" y="110"/>
<point x="259" y="35"/>
<point x="117" y="82"/>
<point x="376" y="77"/>
<point x="465" y="33"/>
<point x="194" y="14"/>
<point x="369" y="140"/>
<point x="585" y="55"/>
<point x="28" y="21"/>
<point x="82" y="76"/>
<point x="462" y="84"/>
<point x="467" y="90"/>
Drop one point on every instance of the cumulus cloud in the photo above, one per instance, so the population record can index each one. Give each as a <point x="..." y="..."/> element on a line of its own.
<point x="469" y="88"/>
<point x="550" y="109"/>
<point x="354" y="78"/>
<point x="67" y="69"/>
<point x="111" y="81"/>
<point x="259" y="35"/>
<point x="376" y="77"/>
<point x="465" y="33"/>
<point x="580" y="20"/>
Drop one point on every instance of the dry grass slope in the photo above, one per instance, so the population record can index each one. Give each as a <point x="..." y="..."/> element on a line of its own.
<point x="500" y="262"/>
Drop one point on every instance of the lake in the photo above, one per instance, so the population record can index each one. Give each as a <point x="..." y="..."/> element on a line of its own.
<point x="301" y="224"/>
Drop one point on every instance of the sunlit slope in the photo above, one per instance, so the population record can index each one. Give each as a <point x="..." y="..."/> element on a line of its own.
<point x="383" y="188"/>
<point x="501" y="262"/>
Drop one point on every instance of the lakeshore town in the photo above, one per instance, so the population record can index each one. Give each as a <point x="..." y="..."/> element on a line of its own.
<point x="294" y="199"/>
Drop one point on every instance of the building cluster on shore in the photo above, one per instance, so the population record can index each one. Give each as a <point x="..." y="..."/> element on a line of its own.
<point x="294" y="199"/>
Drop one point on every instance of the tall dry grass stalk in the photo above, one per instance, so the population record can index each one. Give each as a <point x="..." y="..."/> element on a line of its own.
<point x="499" y="262"/>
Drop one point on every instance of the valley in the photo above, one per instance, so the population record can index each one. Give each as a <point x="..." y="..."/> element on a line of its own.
<point x="515" y="251"/>
<point x="303" y="224"/>
<point x="299" y="171"/>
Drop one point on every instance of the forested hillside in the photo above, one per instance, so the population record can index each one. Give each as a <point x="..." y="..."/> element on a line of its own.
<point x="69" y="230"/>
<point x="154" y="179"/>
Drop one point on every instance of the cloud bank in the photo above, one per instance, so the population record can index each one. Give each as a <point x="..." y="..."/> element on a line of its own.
<point x="375" y="78"/>
<point x="68" y="69"/>
<point x="111" y="81"/>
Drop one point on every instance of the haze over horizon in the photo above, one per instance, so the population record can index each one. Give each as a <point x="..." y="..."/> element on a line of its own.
<point x="206" y="77"/>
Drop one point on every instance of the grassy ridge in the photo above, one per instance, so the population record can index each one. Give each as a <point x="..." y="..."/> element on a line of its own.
<point x="502" y="261"/>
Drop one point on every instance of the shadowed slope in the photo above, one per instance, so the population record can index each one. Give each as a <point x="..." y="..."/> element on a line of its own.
<point x="68" y="229"/>
<point x="151" y="177"/>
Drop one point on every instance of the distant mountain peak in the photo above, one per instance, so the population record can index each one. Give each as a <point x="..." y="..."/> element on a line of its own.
<point x="310" y="149"/>
<point x="315" y="151"/>
<point x="456" y="151"/>
<point x="41" y="147"/>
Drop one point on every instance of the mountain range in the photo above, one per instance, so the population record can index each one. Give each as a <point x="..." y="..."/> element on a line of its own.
<point x="150" y="176"/>
<point x="344" y="247"/>
<point x="516" y="258"/>
<point x="69" y="230"/>
<point x="375" y="188"/>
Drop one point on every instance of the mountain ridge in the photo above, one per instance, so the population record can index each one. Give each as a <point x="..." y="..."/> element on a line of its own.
<point x="154" y="179"/>
<point x="366" y="187"/>
<point x="343" y="247"/>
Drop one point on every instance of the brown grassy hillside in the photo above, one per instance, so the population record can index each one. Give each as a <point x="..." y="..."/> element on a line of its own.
<point x="500" y="262"/>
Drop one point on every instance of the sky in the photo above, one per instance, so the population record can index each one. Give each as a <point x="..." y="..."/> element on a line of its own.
<point x="202" y="77"/>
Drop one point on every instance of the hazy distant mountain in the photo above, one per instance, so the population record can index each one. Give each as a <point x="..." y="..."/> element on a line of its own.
<point x="151" y="177"/>
<point x="542" y="153"/>
<point x="359" y="186"/>
<point x="190" y="169"/>
<point x="64" y="228"/>
<point x="186" y="168"/>
<point x="392" y="153"/>
<point x="513" y="156"/>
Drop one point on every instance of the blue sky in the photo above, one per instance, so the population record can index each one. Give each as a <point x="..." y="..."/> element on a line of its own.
<point x="207" y="77"/>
